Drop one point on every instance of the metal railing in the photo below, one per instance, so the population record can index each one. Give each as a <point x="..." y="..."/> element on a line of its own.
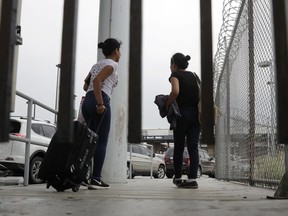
<point x="27" y="139"/>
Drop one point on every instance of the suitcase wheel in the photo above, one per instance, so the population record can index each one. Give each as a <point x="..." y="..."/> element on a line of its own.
<point x="75" y="188"/>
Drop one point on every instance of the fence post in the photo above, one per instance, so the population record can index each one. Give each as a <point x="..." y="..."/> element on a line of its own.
<point x="251" y="91"/>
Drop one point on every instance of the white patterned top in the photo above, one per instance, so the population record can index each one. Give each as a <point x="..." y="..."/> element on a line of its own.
<point x="111" y="81"/>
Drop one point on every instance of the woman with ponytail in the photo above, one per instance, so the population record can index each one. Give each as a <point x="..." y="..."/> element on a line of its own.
<point x="96" y="106"/>
<point x="185" y="90"/>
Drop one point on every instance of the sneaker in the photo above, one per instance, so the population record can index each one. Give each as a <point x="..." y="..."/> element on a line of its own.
<point x="177" y="182"/>
<point x="95" y="184"/>
<point x="190" y="184"/>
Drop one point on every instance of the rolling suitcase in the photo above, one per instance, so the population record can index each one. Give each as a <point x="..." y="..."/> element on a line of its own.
<point x="65" y="166"/>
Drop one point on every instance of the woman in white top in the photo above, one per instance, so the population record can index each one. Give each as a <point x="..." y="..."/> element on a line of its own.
<point x="103" y="80"/>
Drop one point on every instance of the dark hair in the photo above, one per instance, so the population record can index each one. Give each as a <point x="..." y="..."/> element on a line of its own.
<point x="109" y="45"/>
<point x="180" y="60"/>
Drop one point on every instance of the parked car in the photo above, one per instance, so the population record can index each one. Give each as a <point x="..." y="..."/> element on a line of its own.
<point x="141" y="161"/>
<point x="206" y="163"/>
<point x="12" y="155"/>
<point x="161" y="156"/>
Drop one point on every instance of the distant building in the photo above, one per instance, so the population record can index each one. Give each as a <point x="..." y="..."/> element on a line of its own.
<point x="161" y="139"/>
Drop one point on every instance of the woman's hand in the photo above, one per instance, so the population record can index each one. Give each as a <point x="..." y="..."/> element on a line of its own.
<point x="100" y="108"/>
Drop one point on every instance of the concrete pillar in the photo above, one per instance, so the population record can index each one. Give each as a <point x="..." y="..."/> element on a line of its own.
<point x="114" y="22"/>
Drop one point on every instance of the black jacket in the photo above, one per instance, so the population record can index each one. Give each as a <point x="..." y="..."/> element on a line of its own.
<point x="172" y="113"/>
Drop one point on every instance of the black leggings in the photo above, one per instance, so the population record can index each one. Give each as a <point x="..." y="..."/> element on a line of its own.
<point x="187" y="127"/>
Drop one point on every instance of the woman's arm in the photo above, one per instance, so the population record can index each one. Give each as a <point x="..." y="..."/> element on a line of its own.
<point x="87" y="82"/>
<point x="174" y="91"/>
<point x="85" y="86"/>
<point x="97" y="86"/>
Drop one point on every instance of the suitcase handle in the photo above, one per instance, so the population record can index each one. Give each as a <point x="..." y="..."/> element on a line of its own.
<point x="102" y="117"/>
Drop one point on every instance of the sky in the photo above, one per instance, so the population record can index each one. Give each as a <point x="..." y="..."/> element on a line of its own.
<point x="169" y="26"/>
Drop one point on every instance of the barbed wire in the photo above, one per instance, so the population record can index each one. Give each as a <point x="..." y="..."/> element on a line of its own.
<point x="233" y="18"/>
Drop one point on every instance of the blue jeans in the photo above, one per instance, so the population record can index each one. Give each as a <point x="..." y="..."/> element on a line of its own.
<point x="93" y="119"/>
<point x="188" y="127"/>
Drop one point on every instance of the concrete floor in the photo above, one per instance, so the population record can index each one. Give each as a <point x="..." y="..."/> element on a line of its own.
<point x="143" y="196"/>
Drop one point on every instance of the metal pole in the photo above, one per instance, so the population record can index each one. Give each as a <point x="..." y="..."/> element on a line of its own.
<point x="280" y="21"/>
<point x="151" y="168"/>
<point x="272" y="86"/>
<point x="68" y="58"/>
<point x="228" y="119"/>
<point x="19" y="41"/>
<point x="280" y="11"/>
<point x="28" y="143"/>
<point x="135" y="83"/>
<point x="251" y="91"/>
<point x="207" y="104"/>
<point x="57" y="91"/>
<point x="268" y="135"/>
<point x="130" y="164"/>
<point x="7" y="44"/>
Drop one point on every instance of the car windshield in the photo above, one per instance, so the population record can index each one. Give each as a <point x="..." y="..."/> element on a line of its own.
<point x="169" y="152"/>
<point x="145" y="151"/>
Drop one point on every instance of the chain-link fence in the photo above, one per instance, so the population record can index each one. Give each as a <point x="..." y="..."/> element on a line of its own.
<point x="246" y="147"/>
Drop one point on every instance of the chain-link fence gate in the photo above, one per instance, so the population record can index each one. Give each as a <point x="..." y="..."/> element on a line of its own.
<point x="245" y="132"/>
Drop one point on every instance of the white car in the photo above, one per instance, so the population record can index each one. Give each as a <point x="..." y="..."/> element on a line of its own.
<point x="12" y="155"/>
<point x="142" y="159"/>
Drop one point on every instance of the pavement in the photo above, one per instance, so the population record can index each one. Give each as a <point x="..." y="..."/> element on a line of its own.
<point x="141" y="196"/>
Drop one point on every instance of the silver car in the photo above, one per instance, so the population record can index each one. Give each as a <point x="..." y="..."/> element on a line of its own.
<point x="142" y="160"/>
<point x="12" y="154"/>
